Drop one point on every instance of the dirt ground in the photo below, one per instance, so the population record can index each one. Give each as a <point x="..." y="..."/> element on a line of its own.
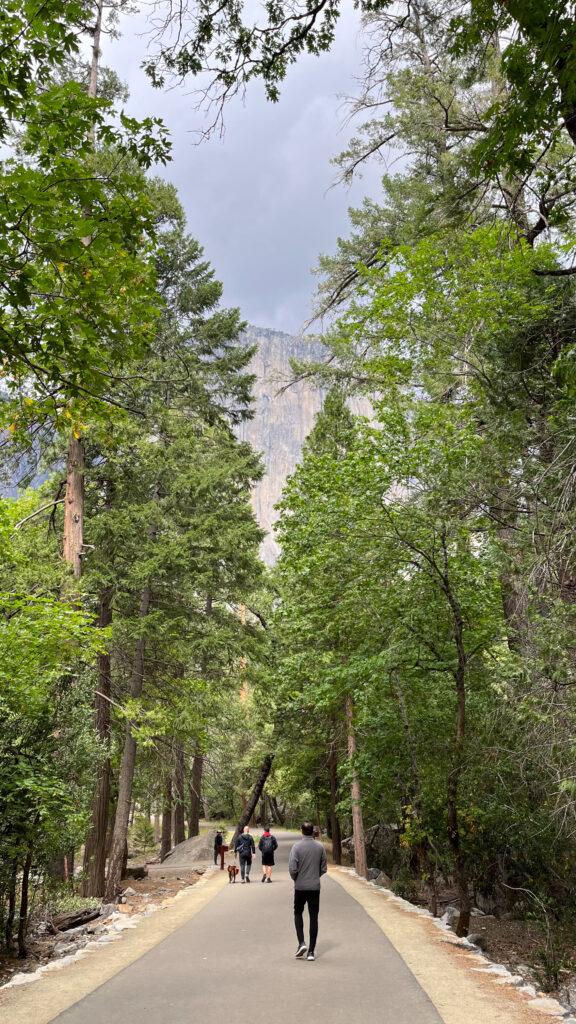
<point x="42" y="947"/>
<point x="511" y="943"/>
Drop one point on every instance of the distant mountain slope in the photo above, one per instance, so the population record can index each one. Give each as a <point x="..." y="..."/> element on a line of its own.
<point x="283" y="418"/>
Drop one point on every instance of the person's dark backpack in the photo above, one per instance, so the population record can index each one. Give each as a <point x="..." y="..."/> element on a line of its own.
<point x="269" y="844"/>
<point x="244" y="845"/>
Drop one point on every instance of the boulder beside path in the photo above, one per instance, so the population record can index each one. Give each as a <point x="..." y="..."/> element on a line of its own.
<point x="187" y="856"/>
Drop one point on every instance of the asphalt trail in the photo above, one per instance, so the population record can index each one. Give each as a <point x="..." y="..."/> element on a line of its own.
<point x="235" y="961"/>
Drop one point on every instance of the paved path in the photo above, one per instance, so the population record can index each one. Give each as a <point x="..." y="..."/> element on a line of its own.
<point x="235" y="961"/>
<point x="226" y="952"/>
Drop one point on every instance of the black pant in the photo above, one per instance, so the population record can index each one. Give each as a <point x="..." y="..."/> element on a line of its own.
<point x="245" y="865"/>
<point x="312" y="898"/>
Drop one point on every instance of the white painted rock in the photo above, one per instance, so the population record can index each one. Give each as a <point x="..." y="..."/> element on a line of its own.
<point x="450" y="916"/>
<point x="514" y="979"/>
<point x="568" y="994"/>
<point x="20" y="979"/>
<point x="551" y="1007"/>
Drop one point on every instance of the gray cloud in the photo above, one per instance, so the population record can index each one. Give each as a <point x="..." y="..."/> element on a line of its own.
<point x="259" y="199"/>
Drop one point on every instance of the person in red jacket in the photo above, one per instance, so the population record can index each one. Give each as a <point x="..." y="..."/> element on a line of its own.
<point x="267" y="845"/>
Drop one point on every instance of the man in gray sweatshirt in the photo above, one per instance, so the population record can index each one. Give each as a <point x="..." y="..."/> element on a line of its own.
<point x="307" y="863"/>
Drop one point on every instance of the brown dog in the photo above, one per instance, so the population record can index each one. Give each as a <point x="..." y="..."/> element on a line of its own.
<point x="232" y="872"/>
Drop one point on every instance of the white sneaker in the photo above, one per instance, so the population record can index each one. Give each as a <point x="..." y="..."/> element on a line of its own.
<point x="301" y="950"/>
<point x="310" y="956"/>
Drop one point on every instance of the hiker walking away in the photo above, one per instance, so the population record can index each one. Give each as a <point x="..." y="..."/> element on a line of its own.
<point x="306" y="865"/>
<point x="246" y="851"/>
<point x="218" y="840"/>
<point x="267" y="845"/>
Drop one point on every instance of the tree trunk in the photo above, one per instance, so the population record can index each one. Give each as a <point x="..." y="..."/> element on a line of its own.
<point x="360" y="864"/>
<point x="278" y="815"/>
<point x="455" y="773"/>
<point x="73" y="539"/>
<point x="119" y="837"/>
<point x="23" y="921"/>
<point x="179" y="822"/>
<point x="253" y="798"/>
<point x="124" y="864"/>
<point x="95" y="850"/>
<point x="166" y="844"/>
<point x="74" y="507"/>
<point x="195" y="794"/>
<point x="452" y="822"/>
<point x="335" y="833"/>
<point x="72" y="544"/>
<point x="11" y="914"/>
<point x="426" y="864"/>
<point x="63" y="922"/>
<point x="93" y="83"/>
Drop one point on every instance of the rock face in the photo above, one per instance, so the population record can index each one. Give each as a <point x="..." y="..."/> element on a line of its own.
<point x="283" y="417"/>
<point x="191" y="851"/>
<point x="383" y="850"/>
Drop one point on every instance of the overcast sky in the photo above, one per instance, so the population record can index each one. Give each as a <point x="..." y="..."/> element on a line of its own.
<point x="259" y="200"/>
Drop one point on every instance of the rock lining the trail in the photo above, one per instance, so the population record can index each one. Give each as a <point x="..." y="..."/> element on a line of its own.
<point x="105" y="930"/>
<point x="535" y="999"/>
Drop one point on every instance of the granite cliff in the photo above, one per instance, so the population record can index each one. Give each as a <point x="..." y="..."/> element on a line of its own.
<point x="283" y="418"/>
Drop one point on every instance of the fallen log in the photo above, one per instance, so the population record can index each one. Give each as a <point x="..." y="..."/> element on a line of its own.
<point x="62" y="922"/>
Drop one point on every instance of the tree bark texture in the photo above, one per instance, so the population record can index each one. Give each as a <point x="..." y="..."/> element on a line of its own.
<point x="425" y="862"/>
<point x="457" y="766"/>
<point x="277" y="814"/>
<point x="253" y="798"/>
<point x="96" y="842"/>
<point x="195" y="795"/>
<point x="166" y="843"/>
<point x="452" y="822"/>
<point x="73" y="539"/>
<point x="93" y="83"/>
<point x="74" y="507"/>
<point x="179" y="816"/>
<point x="335" y="833"/>
<point x="11" y="911"/>
<point x="360" y="864"/>
<point x="23" y="920"/>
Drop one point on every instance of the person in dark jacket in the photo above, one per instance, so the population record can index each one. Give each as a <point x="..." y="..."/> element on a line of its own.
<point x="246" y="851"/>
<point x="306" y="865"/>
<point x="217" y="845"/>
<point x="267" y="845"/>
